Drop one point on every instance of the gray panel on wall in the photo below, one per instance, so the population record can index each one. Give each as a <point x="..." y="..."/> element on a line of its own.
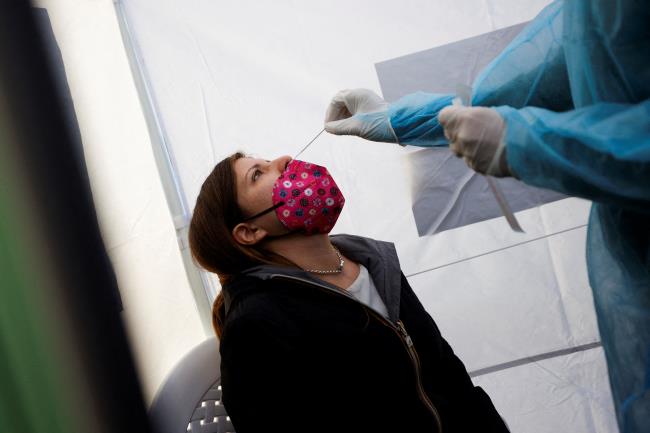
<point x="438" y="70"/>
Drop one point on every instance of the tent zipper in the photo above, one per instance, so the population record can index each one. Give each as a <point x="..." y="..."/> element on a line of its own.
<point x="399" y="330"/>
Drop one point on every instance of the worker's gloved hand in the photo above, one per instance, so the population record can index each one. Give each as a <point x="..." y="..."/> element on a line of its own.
<point x="360" y="112"/>
<point x="476" y="135"/>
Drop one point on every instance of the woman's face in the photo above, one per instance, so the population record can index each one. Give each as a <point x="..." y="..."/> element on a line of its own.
<point x="255" y="179"/>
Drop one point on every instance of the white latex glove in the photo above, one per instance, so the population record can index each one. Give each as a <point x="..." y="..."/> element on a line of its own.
<point x="359" y="112"/>
<point x="476" y="135"/>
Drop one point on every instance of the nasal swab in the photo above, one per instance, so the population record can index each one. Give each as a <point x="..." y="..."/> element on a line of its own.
<point x="308" y="144"/>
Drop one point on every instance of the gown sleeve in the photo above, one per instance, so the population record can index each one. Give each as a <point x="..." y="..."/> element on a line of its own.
<point x="600" y="152"/>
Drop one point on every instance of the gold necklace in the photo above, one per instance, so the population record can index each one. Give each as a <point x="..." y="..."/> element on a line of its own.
<point x="338" y="270"/>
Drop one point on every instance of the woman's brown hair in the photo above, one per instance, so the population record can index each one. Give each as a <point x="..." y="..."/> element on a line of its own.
<point x="212" y="245"/>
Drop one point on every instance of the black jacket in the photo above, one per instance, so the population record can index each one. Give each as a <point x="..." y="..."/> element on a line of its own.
<point x="300" y="355"/>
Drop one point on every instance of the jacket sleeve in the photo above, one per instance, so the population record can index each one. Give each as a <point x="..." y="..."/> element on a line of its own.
<point x="600" y="152"/>
<point x="461" y="396"/>
<point x="531" y="70"/>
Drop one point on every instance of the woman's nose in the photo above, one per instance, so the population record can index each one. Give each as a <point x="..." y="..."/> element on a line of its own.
<point x="281" y="163"/>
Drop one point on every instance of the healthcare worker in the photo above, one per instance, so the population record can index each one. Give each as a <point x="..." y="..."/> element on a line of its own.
<point x="566" y="106"/>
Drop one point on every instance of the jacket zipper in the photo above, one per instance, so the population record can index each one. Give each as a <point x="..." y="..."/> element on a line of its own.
<point x="400" y="330"/>
<point x="416" y="360"/>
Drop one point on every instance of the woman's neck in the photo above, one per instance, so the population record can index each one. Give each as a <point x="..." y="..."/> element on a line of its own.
<point x="308" y="252"/>
<point x="315" y="252"/>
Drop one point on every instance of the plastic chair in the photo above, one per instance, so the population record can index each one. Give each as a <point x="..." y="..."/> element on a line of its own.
<point x="189" y="400"/>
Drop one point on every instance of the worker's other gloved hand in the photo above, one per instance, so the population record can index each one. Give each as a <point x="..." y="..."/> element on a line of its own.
<point x="476" y="135"/>
<point x="360" y="112"/>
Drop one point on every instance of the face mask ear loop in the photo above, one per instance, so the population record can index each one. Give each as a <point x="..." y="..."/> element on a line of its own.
<point x="264" y="212"/>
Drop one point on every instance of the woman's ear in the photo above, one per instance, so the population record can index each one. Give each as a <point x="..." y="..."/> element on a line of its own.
<point x="248" y="234"/>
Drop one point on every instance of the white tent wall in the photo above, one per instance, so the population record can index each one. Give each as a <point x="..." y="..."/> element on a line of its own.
<point x="258" y="76"/>
<point x="134" y="217"/>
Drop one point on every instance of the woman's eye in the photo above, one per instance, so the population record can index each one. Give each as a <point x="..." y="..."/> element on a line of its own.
<point x="256" y="174"/>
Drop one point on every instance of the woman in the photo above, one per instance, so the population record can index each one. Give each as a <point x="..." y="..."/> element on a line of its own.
<point x="320" y="333"/>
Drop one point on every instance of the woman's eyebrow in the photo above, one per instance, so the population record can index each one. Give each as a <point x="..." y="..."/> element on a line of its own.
<point x="256" y="165"/>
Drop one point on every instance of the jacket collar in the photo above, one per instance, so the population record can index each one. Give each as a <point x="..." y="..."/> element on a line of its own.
<point x="379" y="257"/>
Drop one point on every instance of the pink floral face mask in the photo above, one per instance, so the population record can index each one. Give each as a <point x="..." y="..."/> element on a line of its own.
<point x="306" y="199"/>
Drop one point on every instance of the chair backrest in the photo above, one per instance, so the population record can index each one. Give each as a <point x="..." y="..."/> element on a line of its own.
<point x="189" y="400"/>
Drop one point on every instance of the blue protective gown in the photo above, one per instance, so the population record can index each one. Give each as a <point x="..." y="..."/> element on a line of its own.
<point x="574" y="91"/>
